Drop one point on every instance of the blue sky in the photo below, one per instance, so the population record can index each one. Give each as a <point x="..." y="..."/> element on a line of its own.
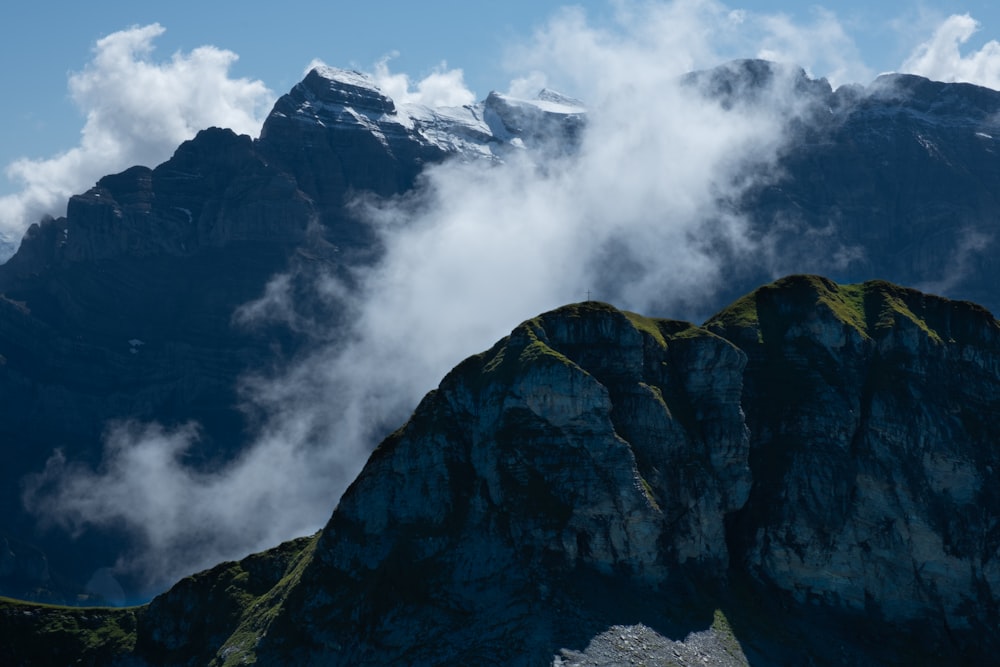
<point x="43" y="44"/>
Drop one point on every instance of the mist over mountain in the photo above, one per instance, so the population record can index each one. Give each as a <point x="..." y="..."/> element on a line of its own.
<point x="189" y="262"/>
<point x="807" y="478"/>
<point x="198" y="357"/>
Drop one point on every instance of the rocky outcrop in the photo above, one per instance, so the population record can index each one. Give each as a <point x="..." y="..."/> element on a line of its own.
<point x="808" y="478"/>
<point x="594" y="445"/>
<point x="589" y="446"/>
<point x="817" y="452"/>
<point x="873" y="411"/>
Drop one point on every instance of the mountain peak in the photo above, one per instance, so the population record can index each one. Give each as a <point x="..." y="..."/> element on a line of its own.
<point x="749" y="80"/>
<point x="348" y="77"/>
<point x="549" y="118"/>
<point x="347" y="88"/>
<point x="548" y="95"/>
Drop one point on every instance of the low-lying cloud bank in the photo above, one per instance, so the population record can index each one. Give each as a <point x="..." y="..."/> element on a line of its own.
<point x="638" y="215"/>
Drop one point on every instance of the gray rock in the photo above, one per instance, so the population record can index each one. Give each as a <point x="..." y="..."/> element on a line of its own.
<point x="807" y="479"/>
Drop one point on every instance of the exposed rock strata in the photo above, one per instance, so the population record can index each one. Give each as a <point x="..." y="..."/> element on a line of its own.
<point x="807" y="479"/>
<point x="589" y="444"/>
<point x="875" y="413"/>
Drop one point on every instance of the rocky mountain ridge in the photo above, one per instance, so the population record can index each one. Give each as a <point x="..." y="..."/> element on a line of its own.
<point x="124" y="308"/>
<point x="807" y="478"/>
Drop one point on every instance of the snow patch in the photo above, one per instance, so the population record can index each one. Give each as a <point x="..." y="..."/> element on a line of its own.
<point x="474" y="130"/>
<point x="349" y="77"/>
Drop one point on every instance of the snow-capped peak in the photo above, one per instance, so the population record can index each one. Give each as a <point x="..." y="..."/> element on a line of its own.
<point x="560" y="103"/>
<point x="346" y="77"/>
<point x="333" y="97"/>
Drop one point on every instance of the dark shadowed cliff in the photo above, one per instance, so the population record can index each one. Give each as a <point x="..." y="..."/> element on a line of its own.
<point x="808" y="478"/>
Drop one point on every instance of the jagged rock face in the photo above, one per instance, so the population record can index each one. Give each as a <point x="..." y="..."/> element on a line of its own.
<point x="816" y="464"/>
<point x="596" y="442"/>
<point x="587" y="442"/>
<point x="372" y="149"/>
<point x="123" y="310"/>
<point x="896" y="182"/>
<point x="873" y="413"/>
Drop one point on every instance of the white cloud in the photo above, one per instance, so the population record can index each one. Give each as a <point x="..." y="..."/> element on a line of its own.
<point x="822" y="48"/>
<point x="137" y="112"/>
<point x="697" y="34"/>
<point x="940" y="58"/>
<point x="183" y="520"/>
<point x="441" y="88"/>
<point x="965" y="259"/>
<point x="637" y="215"/>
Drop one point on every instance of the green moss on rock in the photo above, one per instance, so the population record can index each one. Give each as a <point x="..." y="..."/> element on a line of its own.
<point x="36" y="634"/>
<point x="871" y="309"/>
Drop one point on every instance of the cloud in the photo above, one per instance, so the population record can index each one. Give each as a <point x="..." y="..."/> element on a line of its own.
<point x="441" y="88"/>
<point x="965" y="258"/>
<point x="941" y="59"/>
<point x="137" y="112"/>
<point x="183" y="520"/>
<point x="695" y="34"/>
<point x="822" y="47"/>
<point x="639" y="213"/>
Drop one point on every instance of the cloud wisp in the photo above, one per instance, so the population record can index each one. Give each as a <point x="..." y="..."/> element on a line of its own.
<point x="940" y="57"/>
<point x="441" y="88"/>
<point x="137" y="112"/>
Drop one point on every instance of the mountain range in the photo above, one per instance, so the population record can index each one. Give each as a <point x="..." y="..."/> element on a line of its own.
<point x="123" y="309"/>
<point x="818" y="452"/>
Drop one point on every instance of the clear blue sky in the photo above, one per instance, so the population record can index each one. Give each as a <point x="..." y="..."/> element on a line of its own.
<point x="43" y="42"/>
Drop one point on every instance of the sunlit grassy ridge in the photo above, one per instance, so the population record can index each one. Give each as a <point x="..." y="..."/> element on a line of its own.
<point x="237" y="600"/>
<point x="660" y="330"/>
<point x="869" y="308"/>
